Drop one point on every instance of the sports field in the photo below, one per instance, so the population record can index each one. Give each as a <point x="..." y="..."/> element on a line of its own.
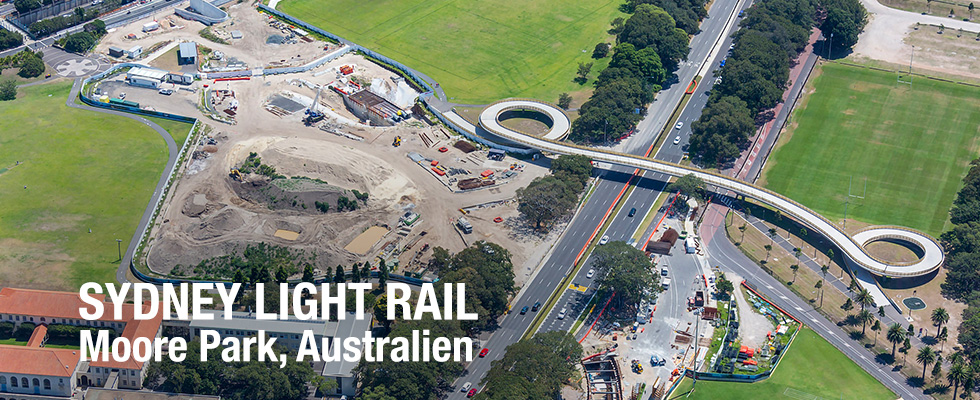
<point x="479" y="51"/>
<point x="911" y="143"/>
<point x="811" y="369"/>
<point x="82" y="170"/>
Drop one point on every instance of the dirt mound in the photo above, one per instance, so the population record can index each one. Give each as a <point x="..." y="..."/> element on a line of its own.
<point x="270" y="194"/>
<point x="225" y="221"/>
<point x="195" y="205"/>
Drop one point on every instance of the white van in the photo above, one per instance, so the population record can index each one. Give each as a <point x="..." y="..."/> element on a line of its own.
<point x="465" y="387"/>
<point x="561" y="314"/>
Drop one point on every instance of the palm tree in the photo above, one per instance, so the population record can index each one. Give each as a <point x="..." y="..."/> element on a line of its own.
<point x="823" y="269"/>
<point x="865" y="316"/>
<point x="895" y="335"/>
<point x="937" y="368"/>
<point x="939" y="317"/>
<point x="876" y="327"/>
<point x="742" y="229"/>
<point x="768" y="249"/>
<point x="772" y="235"/>
<point x="848" y="305"/>
<point x="819" y="285"/>
<point x="957" y="374"/>
<point x="794" y="267"/>
<point x="864" y="298"/>
<point x="830" y="255"/>
<point x="881" y="312"/>
<point x="802" y="236"/>
<point x="971" y="10"/>
<point x="926" y="356"/>
<point x="798" y="253"/>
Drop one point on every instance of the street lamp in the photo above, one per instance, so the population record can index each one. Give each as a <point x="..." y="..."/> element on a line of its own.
<point x="831" y="45"/>
<point x="119" y="248"/>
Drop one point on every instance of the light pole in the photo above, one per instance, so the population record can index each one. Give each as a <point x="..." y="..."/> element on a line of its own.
<point x="119" y="248"/>
<point x="831" y="45"/>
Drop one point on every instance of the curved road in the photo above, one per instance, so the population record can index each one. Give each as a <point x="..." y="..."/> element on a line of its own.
<point x="123" y="271"/>
<point x="933" y="253"/>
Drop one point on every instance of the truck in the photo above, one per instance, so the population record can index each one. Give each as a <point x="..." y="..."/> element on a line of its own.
<point x="699" y="299"/>
<point x="690" y="246"/>
<point x="464" y="225"/>
<point x="151" y="26"/>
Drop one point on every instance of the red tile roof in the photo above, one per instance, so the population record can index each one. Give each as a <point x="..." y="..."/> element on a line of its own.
<point x="37" y="338"/>
<point x="38" y="361"/>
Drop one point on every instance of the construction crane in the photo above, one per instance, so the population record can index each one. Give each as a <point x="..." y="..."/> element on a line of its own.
<point x="312" y="115"/>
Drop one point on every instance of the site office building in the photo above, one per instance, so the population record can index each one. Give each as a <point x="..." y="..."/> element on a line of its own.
<point x="37" y="370"/>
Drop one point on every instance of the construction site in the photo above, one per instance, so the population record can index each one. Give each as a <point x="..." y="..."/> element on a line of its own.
<point x="337" y="160"/>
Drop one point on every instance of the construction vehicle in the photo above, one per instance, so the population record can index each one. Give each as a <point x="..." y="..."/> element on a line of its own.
<point x="236" y="175"/>
<point x="397" y="142"/>
<point x="312" y="115"/>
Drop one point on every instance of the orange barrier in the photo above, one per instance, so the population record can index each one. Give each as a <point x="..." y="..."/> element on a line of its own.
<point x="691" y="86"/>
<point x="597" y="317"/>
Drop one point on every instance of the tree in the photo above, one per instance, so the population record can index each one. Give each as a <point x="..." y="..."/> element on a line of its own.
<point x="9" y="39"/>
<point x="564" y="100"/>
<point x="937" y="368"/>
<point x="722" y="130"/>
<point x="798" y="253"/>
<point x="545" y="200"/>
<point x="382" y="273"/>
<point x="651" y="26"/>
<point x="572" y="169"/>
<point x="724" y="286"/>
<point x="848" y="305"/>
<point x="488" y="273"/>
<point x="970" y="7"/>
<point x="24" y="6"/>
<point x="79" y="42"/>
<point x="819" y="285"/>
<point x="617" y="25"/>
<point x="583" y="71"/>
<point x="772" y="235"/>
<point x="355" y="273"/>
<point x="865" y="317"/>
<point x="625" y="270"/>
<point x="853" y="285"/>
<point x="939" y="317"/>
<point x="308" y="273"/>
<point x="957" y="374"/>
<point x="906" y="346"/>
<point x="876" y="327"/>
<point x="795" y="268"/>
<point x="611" y="109"/>
<point x="366" y="271"/>
<point x="601" y="50"/>
<point x="643" y="63"/>
<point x="338" y="276"/>
<point x="281" y="274"/>
<point x="845" y="20"/>
<point x="31" y="67"/>
<point x="823" y="270"/>
<point x="97" y="27"/>
<point x="926" y="356"/>
<point x="381" y="310"/>
<point x="689" y="185"/>
<point x="895" y="336"/>
<point x="742" y="228"/>
<point x="768" y="250"/>
<point x="864" y="298"/>
<point x="881" y="312"/>
<point x="8" y="90"/>
<point x="533" y="368"/>
<point x="942" y="336"/>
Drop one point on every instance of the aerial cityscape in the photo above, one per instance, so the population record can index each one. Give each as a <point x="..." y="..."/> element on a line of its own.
<point x="506" y="200"/>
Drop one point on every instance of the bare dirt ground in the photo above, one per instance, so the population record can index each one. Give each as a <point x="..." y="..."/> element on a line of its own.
<point x="209" y="213"/>
<point x="890" y="33"/>
<point x="752" y="325"/>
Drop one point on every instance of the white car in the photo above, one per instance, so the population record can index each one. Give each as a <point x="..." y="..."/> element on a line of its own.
<point x="561" y="314"/>
<point x="679" y="125"/>
<point x="604" y="240"/>
<point x="590" y="274"/>
<point x="677" y="140"/>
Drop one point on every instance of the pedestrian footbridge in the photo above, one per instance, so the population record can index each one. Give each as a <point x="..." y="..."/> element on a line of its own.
<point x="931" y="253"/>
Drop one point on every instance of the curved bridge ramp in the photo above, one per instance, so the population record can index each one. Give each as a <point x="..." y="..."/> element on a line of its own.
<point x="853" y="248"/>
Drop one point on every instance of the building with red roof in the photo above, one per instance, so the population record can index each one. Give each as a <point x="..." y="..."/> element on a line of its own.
<point x="37" y="370"/>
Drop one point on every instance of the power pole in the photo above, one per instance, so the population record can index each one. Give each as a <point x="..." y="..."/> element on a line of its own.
<point x="119" y="248"/>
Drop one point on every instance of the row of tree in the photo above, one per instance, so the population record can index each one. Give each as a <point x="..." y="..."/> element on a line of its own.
<point x="10" y="39"/>
<point x="649" y="46"/>
<point x="51" y="25"/>
<point x="549" y="198"/>
<point x="533" y="368"/>
<point x="755" y="75"/>
<point x="962" y="245"/>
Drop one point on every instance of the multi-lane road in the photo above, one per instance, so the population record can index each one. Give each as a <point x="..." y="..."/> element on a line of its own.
<point x="609" y="185"/>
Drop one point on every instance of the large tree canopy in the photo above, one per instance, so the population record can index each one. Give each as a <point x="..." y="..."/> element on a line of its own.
<point x="651" y="26"/>
<point x="722" y="131"/>
<point x="488" y="272"/>
<point x="533" y="368"/>
<point x="626" y="270"/>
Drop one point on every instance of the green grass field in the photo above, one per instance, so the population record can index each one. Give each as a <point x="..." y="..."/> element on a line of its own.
<point x="479" y="52"/>
<point x="912" y="143"/>
<point x="83" y="170"/>
<point x="811" y="367"/>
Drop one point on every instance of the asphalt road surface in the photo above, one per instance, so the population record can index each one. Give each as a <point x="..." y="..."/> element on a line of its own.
<point x="586" y="221"/>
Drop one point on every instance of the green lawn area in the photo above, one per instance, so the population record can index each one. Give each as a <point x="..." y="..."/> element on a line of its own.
<point x="912" y="143"/>
<point x="479" y="52"/>
<point x="83" y="170"/>
<point x="811" y="367"/>
<point x="13" y="342"/>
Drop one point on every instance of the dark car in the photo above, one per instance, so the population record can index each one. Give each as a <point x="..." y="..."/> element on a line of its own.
<point x="536" y="306"/>
<point x="632" y="211"/>
<point x="524" y="310"/>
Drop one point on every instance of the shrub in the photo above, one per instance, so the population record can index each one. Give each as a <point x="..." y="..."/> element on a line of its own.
<point x="6" y="330"/>
<point x="31" y="67"/>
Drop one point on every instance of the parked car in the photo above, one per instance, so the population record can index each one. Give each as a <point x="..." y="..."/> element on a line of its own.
<point x="561" y="314"/>
<point x="166" y="92"/>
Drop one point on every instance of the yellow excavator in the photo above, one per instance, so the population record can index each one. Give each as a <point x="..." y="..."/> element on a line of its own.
<point x="236" y="175"/>
<point x="397" y="142"/>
